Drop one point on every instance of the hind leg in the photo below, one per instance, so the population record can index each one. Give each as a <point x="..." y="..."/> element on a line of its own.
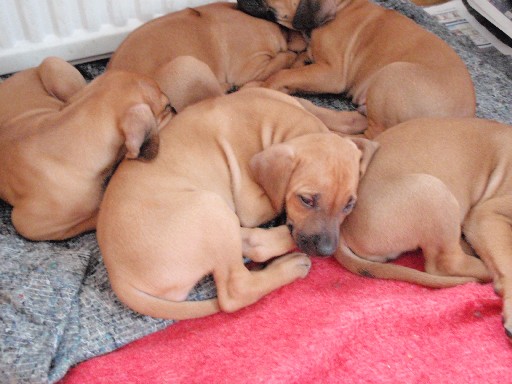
<point x="441" y="241"/>
<point x="488" y="230"/>
<point x="420" y="92"/>
<point x="36" y="222"/>
<point x="60" y="78"/>
<point x="409" y="212"/>
<point x="237" y="287"/>
<point x="451" y="260"/>
<point x="215" y="242"/>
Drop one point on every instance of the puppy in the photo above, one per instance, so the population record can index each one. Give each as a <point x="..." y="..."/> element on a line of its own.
<point x="391" y="67"/>
<point x="429" y="179"/>
<point x="238" y="49"/>
<point x="227" y="165"/>
<point x="60" y="140"/>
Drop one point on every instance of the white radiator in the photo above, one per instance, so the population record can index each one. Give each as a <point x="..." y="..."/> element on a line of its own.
<point x="75" y="30"/>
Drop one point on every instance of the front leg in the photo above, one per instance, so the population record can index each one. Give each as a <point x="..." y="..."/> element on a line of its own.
<point x="264" y="66"/>
<point x="312" y="78"/>
<point x="260" y="244"/>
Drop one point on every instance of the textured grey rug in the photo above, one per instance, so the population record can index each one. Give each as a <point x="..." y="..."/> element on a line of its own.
<point x="56" y="305"/>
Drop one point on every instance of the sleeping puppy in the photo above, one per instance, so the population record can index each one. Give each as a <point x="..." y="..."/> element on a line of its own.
<point x="237" y="47"/>
<point x="61" y="139"/>
<point x="227" y="165"/>
<point x="391" y="67"/>
<point x="430" y="181"/>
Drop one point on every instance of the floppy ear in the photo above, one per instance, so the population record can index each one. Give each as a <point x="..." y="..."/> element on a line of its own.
<point x="272" y="169"/>
<point x="139" y="127"/>
<point x="368" y="149"/>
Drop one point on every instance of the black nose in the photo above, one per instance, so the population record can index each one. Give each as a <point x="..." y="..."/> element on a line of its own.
<point x="325" y="247"/>
<point x="317" y="245"/>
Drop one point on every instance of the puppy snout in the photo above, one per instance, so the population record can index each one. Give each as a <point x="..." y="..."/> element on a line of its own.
<point x="310" y="15"/>
<point x="321" y="245"/>
<point x="257" y="8"/>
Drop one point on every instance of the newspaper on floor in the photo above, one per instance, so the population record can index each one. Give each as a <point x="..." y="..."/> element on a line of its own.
<point x="498" y="12"/>
<point x="454" y="15"/>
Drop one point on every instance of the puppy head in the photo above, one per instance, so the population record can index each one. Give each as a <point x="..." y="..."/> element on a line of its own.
<point x="314" y="178"/>
<point x="302" y="15"/>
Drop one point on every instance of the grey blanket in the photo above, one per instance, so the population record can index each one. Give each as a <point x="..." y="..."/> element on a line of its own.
<point x="56" y="305"/>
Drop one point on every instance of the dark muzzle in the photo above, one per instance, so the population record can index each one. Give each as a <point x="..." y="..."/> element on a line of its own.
<point x="257" y="8"/>
<point x="320" y="244"/>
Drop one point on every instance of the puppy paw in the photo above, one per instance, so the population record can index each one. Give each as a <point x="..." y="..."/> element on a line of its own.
<point x="507" y="326"/>
<point x="362" y="109"/>
<point x="302" y="60"/>
<point x="359" y="123"/>
<point x="296" y="41"/>
<point x="498" y="287"/>
<point x="297" y="263"/>
<point x="274" y="83"/>
<point x="507" y="316"/>
<point x="351" y="123"/>
<point x="276" y="87"/>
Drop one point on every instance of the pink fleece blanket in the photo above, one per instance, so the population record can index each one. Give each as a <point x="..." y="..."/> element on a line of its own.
<point x="331" y="327"/>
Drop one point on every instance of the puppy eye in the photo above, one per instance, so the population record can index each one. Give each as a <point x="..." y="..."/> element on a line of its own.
<point x="309" y="201"/>
<point x="350" y="205"/>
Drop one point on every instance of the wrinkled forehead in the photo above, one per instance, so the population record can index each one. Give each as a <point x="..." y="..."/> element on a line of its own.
<point x="328" y="170"/>
<point x="332" y="150"/>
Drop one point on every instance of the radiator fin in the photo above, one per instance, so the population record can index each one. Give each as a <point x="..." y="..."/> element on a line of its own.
<point x="76" y="30"/>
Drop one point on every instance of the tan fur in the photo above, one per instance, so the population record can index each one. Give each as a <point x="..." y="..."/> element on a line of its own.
<point x="60" y="140"/>
<point x="238" y="49"/>
<point x="391" y="67"/>
<point x="430" y="179"/>
<point x="227" y="165"/>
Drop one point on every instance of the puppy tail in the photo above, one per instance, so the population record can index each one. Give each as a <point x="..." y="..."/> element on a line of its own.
<point x="367" y="268"/>
<point x="154" y="306"/>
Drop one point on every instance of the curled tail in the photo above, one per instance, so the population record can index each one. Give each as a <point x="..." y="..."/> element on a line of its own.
<point x="158" y="307"/>
<point x="363" y="267"/>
